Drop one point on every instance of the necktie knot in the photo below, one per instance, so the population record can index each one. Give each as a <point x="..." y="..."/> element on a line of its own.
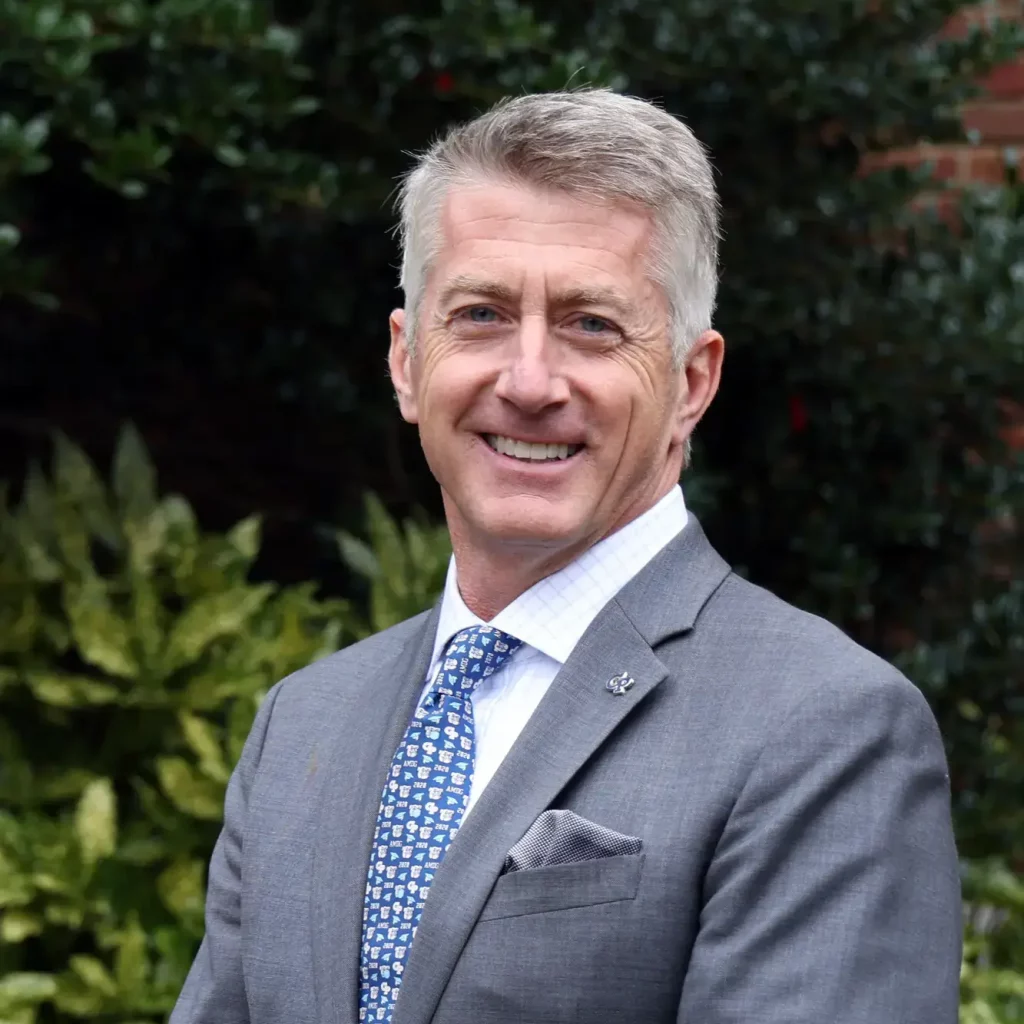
<point x="471" y="656"/>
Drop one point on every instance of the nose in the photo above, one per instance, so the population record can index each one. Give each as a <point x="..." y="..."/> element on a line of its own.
<point x="532" y="380"/>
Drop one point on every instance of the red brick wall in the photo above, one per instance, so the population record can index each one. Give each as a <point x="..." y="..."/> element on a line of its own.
<point x="997" y="117"/>
<point x="996" y="121"/>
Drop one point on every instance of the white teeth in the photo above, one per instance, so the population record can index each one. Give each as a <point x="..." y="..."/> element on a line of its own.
<point x="530" y="451"/>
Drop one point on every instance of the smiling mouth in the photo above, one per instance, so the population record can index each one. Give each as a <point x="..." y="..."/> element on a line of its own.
<point x="530" y="451"/>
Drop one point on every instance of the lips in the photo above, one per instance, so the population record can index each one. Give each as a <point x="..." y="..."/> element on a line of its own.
<point x="531" y="451"/>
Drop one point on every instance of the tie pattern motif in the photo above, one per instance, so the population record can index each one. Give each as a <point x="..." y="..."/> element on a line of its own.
<point x="420" y="813"/>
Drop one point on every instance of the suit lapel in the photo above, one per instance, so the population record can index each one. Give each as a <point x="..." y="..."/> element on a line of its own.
<point x="666" y="596"/>
<point x="364" y="745"/>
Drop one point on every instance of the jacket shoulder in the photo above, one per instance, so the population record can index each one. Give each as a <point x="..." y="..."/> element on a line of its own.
<point x="791" y="652"/>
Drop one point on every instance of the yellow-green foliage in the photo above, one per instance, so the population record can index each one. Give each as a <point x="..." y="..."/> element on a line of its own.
<point x="405" y="565"/>
<point x="134" y="652"/>
<point x="992" y="979"/>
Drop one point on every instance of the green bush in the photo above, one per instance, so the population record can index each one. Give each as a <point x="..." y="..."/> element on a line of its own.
<point x="125" y="91"/>
<point x="134" y="652"/>
<point x="405" y="565"/>
<point x="992" y="979"/>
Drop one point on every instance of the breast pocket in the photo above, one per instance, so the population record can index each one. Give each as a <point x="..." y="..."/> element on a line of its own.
<point x="563" y="886"/>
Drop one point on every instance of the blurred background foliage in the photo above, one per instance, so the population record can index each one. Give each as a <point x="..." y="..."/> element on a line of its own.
<point x="194" y="236"/>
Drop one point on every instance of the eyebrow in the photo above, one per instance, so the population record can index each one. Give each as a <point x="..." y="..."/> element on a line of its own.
<point x="467" y="284"/>
<point x="576" y="296"/>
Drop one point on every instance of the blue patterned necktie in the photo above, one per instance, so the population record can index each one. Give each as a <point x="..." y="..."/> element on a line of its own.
<point x="420" y="812"/>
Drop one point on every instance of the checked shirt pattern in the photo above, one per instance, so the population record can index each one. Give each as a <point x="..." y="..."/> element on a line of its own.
<point x="420" y="812"/>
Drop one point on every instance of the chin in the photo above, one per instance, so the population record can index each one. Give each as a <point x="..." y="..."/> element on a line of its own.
<point x="526" y="523"/>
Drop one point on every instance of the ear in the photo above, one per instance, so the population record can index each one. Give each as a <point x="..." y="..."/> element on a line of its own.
<point x="701" y="374"/>
<point x="400" y="366"/>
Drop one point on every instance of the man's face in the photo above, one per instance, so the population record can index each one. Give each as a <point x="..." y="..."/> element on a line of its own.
<point x="542" y="379"/>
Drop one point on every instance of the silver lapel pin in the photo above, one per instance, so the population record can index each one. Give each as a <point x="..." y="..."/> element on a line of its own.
<point x="620" y="684"/>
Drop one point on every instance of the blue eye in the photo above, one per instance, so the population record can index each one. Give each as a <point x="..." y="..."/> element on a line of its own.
<point x="593" y="325"/>
<point x="481" y="314"/>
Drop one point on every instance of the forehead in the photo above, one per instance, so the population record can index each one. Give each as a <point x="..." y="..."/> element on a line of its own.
<point x="514" y="233"/>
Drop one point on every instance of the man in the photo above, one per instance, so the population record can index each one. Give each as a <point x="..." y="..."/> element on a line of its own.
<point x="605" y="779"/>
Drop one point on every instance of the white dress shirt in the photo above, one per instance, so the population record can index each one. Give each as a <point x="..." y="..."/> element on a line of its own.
<point x="550" y="618"/>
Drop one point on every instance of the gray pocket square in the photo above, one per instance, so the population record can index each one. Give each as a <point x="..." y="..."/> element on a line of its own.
<point x="561" y="837"/>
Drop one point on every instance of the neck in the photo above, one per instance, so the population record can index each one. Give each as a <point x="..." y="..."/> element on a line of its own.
<point x="491" y="580"/>
<point x="492" y="574"/>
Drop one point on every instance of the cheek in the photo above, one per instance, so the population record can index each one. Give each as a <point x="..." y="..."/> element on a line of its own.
<point x="447" y="389"/>
<point x="633" y="410"/>
<point x="623" y="395"/>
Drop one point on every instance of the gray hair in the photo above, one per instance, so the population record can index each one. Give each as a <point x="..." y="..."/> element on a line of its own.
<point x="589" y="143"/>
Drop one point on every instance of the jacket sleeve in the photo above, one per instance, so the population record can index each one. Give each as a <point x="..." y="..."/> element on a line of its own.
<point x="214" y="991"/>
<point x="834" y="893"/>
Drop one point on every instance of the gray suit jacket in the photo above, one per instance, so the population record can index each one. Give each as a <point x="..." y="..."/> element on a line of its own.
<point x="783" y="792"/>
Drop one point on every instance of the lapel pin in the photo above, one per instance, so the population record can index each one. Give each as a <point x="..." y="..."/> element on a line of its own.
<point x="620" y="684"/>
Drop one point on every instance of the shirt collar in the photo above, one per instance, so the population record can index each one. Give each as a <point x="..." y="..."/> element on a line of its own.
<point x="554" y="613"/>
